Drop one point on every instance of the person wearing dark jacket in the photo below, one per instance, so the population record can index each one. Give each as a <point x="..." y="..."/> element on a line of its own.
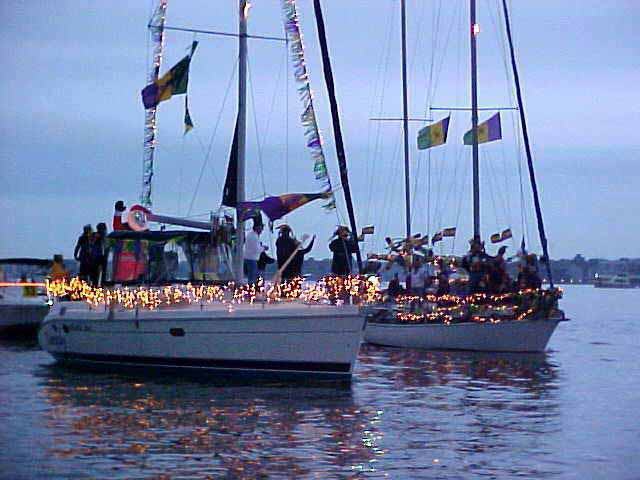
<point x="286" y="246"/>
<point x="342" y="247"/>
<point x="99" y="254"/>
<point x="82" y="252"/>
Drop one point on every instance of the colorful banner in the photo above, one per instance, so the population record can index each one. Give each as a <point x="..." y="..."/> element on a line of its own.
<point x="433" y="135"/>
<point x="308" y="117"/>
<point x="488" y="131"/>
<point x="277" y="207"/>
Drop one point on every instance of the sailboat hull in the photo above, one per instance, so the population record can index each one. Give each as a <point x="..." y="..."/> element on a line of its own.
<point x="278" y="340"/>
<point x="506" y="336"/>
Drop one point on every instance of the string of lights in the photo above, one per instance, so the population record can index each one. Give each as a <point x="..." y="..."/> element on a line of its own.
<point x="356" y="289"/>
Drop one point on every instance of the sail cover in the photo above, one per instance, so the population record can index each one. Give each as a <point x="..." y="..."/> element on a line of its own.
<point x="230" y="191"/>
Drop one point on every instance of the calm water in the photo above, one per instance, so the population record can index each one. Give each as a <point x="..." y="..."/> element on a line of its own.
<point x="573" y="412"/>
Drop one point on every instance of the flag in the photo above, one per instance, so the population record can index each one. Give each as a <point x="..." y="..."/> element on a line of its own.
<point x="188" y="123"/>
<point x="506" y="234"/>
<point x="449" y="232"/>
<point x="436" y="237"/>
<point x="174" y="82"/>
<point x="496" y="238"/>
<point x="277" y="207"/>
<point x="368" y="230"/>
<point x="433" y="135"/>
<point x="488" y="131"/>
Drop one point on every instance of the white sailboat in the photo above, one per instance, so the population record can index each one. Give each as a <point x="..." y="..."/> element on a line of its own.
<point x="125" y="327"/>
<point x="525" y="323"/>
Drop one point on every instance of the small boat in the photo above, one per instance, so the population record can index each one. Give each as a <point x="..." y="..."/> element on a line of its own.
<point x="621" y="280"/>
<point x="23" y="300"/>
<point x="469" y="318"/>
<point x="170" y="299"/>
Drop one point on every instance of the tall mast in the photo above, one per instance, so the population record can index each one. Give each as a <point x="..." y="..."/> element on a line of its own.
<point x="156" y="29"/>
<point x="337" y="130"/>
<point x="474" y="30"/>
<point x="527" y="147"/>
<point x="243" y="13"/>
<point x="405" y="119"/>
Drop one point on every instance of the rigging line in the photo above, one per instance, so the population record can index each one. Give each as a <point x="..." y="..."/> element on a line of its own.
<point x="377" y="83"/>
<point x="488" y="184"/>
<point x="215" y="32"/>
<point x="439" y="67"/>
<point x="377" y="150"/>
<point x="213" y="136"/>
<point x="391" y="186"/>
<point x="461" y="197"/>
<point x="286" y="114"/>
<point x="269" y="117"/>
<point x="509" y="81"/>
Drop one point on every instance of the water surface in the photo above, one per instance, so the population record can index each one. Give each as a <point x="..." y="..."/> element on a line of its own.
<point x="569" y="413"/>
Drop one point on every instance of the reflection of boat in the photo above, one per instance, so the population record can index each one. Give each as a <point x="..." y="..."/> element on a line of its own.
<point x="126" y="326"/>
<point x="422" y="368"/>
<point x="23" y="303"/>
<point x="486" y="312"/>
<point x="225" y="431"/>
<point x="621" y="280"/>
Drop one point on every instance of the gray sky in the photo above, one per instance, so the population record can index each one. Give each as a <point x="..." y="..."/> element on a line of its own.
<point x="72" y="119"/>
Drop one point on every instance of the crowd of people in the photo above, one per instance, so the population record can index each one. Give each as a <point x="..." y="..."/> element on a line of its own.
<point x="428" y="273"/>
<point x="484" y="274"/>
<point x="91" y="253"/>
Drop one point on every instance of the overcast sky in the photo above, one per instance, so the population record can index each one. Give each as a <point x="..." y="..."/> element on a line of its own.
<point x="72" y="119"/>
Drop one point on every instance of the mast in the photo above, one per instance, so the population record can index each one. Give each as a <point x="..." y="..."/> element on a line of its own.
<point x="527" y="147"/>
<point x="156" y="29"/>
<point x="335" y="115"/>
<point x="405" y="119"/>
<point x="243" y="13"/>
<point x="474" y="30"/>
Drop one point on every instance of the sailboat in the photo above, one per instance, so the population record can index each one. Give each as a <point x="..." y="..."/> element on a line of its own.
<point x="171" y="308"/>
<point x="515" y="321"/>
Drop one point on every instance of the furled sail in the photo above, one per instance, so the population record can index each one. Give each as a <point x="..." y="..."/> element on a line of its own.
<point x="230" y="191"/>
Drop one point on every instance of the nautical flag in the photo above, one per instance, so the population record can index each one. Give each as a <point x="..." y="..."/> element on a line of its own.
<point x="368" y="230"/>
<point x="277" y="207"/>
<point x="506" y="234"/>
<point x="174" y="82"/>
<point x="436" y="237"/>
<point x="188" y="123"/>
<point x="449" y="232"/>
<point x="488" y="131"/>
<point x="496" y="238"/>
<point x="433" y="135"/>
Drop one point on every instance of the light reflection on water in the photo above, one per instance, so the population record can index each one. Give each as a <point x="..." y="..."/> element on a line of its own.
<point x="408" y="414"/>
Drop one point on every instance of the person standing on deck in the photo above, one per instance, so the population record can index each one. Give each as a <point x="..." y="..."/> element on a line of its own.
<point x="99" y="255"/>
<point x="58" y="272"/>
<point x="286" y="246"/>
<point x="253" y="248"/>
<point x="342" y="247"/>
<point x="82" y="252"/>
